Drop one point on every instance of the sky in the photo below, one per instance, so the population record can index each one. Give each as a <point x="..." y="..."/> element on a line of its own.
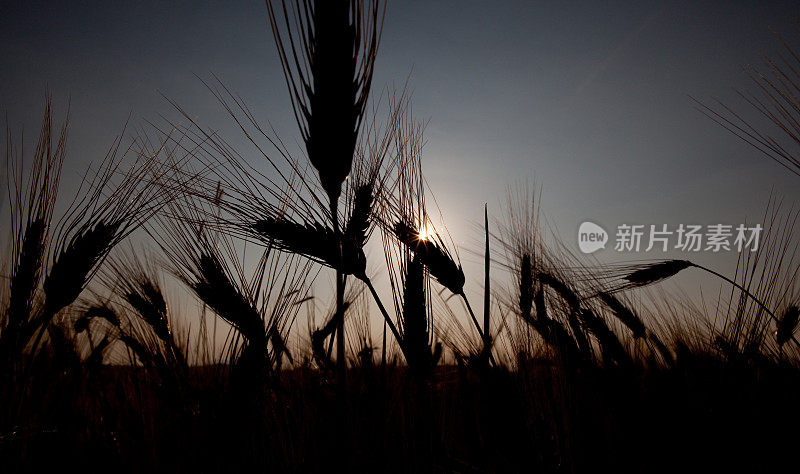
<point x="591" y="101"/>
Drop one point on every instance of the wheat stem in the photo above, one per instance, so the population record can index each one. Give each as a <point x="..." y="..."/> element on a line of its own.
<point x="750" y="295"/>
<point x="487" y="337"/>
<point x="385" y="314"/>
<point x="472" y="314"/>
<point x="475" y="322"/>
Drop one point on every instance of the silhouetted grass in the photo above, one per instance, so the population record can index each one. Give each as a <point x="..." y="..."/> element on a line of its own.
<point x="104" y="374"/>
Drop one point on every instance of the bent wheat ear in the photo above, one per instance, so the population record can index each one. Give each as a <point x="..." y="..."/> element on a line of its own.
<point x="787" y="324"/>
<point x="439" y="264"/>
<point x="624" y="314"/>
<point x="315" y="242"/>
<point x="215" y="289"/>
<point x="656" y="272"/>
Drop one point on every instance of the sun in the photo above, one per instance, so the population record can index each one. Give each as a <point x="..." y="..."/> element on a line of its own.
<point x="425" y="233"/>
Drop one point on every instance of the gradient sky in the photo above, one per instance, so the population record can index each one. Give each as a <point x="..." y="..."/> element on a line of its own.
<point x="589" y="99"/>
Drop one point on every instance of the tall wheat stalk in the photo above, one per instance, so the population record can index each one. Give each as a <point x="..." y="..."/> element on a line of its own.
<point x="328" y="55"/>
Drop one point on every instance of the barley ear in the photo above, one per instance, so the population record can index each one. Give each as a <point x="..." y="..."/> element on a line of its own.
<point x="787" y="324"/>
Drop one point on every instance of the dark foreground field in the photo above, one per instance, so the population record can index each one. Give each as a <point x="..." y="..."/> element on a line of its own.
<point x="703" y="415"/>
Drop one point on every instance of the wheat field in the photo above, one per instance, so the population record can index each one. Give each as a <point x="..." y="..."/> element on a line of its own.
<point x="568" y="365"/>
